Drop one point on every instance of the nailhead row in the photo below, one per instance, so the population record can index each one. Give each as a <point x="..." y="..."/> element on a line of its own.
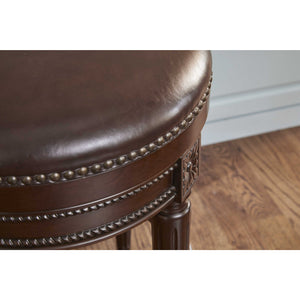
<point x="111" y="163"/>
<point x="90" y="233"/>
<point x="74" y="212"/>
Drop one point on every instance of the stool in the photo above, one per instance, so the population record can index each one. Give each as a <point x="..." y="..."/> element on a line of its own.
<point x="93" y="143"/>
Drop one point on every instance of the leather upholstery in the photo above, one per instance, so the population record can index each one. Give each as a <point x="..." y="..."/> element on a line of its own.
<point x="66" y="109"/>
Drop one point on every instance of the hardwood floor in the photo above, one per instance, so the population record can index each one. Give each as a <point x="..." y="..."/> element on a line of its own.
<point x="247" y="197"/>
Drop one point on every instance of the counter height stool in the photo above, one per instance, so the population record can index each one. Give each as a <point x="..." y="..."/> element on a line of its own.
<point x="93" y="143"/>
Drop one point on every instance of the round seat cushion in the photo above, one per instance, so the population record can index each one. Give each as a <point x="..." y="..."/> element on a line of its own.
<point x="61" y="110"/>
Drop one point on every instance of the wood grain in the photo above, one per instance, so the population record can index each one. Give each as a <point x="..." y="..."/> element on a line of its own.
<point x="247" y="196"/>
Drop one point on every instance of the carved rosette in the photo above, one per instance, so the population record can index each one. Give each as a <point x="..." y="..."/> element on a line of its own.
<point x="190" y="169"/>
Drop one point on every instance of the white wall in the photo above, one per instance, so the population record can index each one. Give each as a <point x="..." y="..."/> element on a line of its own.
<point x="253" y="92"/>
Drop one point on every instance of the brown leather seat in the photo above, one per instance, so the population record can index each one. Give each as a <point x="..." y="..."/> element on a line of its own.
<point x="71" y="122"/>
<point x="62" y="110"/>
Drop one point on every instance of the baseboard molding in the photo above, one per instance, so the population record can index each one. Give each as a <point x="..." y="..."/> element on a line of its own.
<point x="251" y="113"/>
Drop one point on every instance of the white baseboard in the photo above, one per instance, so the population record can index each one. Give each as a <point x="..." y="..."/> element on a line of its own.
<point x="251" y="113"/>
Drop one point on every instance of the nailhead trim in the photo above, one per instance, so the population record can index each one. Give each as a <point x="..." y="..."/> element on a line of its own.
<point x="86" y="171"/>
<point x="80" y="211"/>
<point x="90" y="233"/>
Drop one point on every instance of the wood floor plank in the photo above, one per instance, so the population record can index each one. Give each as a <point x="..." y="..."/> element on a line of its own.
<point x="275" y="233"/>
<point x="273" y="168"/>
<point x="247" y="196"/>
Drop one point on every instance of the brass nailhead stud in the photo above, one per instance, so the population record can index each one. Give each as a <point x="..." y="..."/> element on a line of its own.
<point x="183" y="124"/>
<point x="151" y="146"/>
<point x="108" y="164"/>
<point x="132" y="155"/>
<point x="168" y="135"/>
<point x="0" y="180"/>
<point x="82" y="171"/>
<point x="160" y="140"/>
<point x="143" y="150"/>
<point x="12" y="180"/>
<point x="26" y="180"/>
<point x="175" y="130"/>
<point x="189" y="118"/>
<point x="41" y="178"/>
<point x="196" y="111"/>
<point x="54" y="176"/>
<point x="121" y="160"/>
<point x="200" y="105"/>
<point x="96" y="168"/>
<point x="69" y="174"/>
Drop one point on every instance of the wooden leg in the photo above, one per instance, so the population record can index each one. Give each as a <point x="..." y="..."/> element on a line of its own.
<point x="123" y="241"/>
<point x="171" y="228"/>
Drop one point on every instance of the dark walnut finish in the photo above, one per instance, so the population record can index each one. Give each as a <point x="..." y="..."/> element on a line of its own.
<point x="93" y="143"/>
<point x="123" y="241"/>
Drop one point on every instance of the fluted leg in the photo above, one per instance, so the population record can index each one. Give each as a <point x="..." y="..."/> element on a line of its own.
<point x="123" y="241"/>
<point x="171" y="227"/>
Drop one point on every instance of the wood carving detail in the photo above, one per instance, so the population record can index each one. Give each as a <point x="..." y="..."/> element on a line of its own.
<point x="190" y="169"/>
